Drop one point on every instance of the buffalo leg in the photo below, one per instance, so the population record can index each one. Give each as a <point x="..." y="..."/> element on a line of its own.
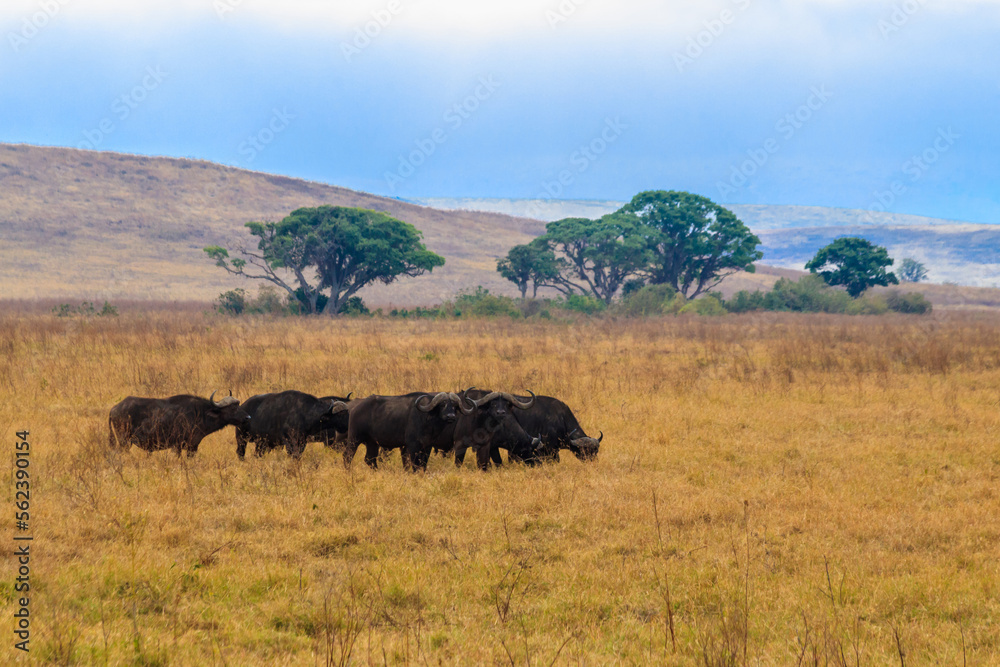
<point x="371" y="455"/>
<point x="241" y="444"/>
<point x="295" y="447"/>
<point x="350" y="449"/>
<point x="495" y="456"/>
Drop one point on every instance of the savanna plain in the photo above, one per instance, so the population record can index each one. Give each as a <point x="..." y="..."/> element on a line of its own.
<point x="771" y="490"/>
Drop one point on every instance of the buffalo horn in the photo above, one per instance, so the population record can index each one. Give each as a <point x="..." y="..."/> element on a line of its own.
<point x="600" y="438"/>
<point x="337" y="406"/>
<point x="436" y="401"/>
<point x="518" y="403"/>
<point x="485" y="399"/>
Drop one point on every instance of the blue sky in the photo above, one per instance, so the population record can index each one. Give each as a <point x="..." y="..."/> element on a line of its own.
<point x="814" y="102"/>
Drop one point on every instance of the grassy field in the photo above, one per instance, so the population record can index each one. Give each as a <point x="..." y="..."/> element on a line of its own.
<point x="772" y="490"/>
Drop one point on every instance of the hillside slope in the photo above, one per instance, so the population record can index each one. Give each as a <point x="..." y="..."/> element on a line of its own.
<point x="95" y="225"/>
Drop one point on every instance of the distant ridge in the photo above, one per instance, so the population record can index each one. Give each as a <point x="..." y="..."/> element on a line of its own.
<point x="960" y="252"/>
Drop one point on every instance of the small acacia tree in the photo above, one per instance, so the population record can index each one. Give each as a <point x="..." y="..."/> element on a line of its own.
<point x="912" y="271"/>
<point x="331" y="248"/>
<point x="531" y="264"/>
<point x="855" y="263"/>
<point x="695" y="243"/>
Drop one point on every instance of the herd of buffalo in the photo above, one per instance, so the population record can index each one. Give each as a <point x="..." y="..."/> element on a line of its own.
<point x="531" y="428"/>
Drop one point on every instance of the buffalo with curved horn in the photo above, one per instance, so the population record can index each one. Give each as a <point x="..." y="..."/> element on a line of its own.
<point x="180" y="422"/>
<point x="412" y="422"/>
<point x="286" y="419"/>
<point x="555" y="425"/>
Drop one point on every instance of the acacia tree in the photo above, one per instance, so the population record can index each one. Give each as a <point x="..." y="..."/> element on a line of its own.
<point x="855" y="263"/>
<point x="331" y="248"/>
<point x="531" y="264"/>
<point x="911" y="270"/>
<point x="695" y="242"/>
<point x="596" y="256"/>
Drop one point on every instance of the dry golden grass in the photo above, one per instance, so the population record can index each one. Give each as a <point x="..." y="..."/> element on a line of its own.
<point x="769" y="488"/>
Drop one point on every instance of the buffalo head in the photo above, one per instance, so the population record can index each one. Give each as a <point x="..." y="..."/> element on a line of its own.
<point x="448" y="405"/>
<point x="498" y="403"/>
<point x="585" y="447"/>
<point x="228" y="409"/>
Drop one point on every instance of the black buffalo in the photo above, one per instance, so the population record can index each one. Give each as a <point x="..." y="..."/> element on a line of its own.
<point x="178" y="423"/>
<point x="286" y="419"/>
<point x="557" y="427"/>
<point x="551" y="421"/>
<point x="335" y="433"/>
<point x="412" y="423"/>
<point x="495" y="426"/>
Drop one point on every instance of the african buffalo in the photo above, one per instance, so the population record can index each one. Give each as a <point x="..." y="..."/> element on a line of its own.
<point x="552" y="421"/>
<point x="495" y="426"/>
<point x="336" y="431"/>
<point x="179" y="422"/>
<point x="549" y="419"/>
<point x="285" y="419"/>
<point x="412" y="422"/>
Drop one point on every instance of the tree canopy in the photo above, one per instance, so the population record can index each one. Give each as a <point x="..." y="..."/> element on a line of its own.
<point x="911" y="270"/>
<point x="855" y="263"/>
<point x="332" y="248"/>
<point x="596" y="257"/>
<point x="531" y="264"/>
<point x="695" y="243"/>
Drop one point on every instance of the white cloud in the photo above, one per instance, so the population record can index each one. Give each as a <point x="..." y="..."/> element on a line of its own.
<point x="456" y="20"/>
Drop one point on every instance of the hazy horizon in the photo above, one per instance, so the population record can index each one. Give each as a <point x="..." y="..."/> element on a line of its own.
<point x="816" y="103"/>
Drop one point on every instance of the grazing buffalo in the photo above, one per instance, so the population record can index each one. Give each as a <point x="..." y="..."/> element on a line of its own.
<point x="413" y="423"/>
<point x="178" y="423"/>
<point x="557" y="427"/>
<point x="495" y="425"/>
<point x="286" y="419"/>
<point x="336" y="431"/>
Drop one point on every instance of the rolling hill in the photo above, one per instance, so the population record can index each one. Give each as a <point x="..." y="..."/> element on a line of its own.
<point x="100" y="226"/>
<point x="97" y="225"/>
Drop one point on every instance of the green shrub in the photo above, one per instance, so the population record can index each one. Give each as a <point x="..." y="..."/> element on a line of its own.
<point x="809" y="294"/>
<point x="579" y="303"/>
<point x="269" y="302"/>
<point x="710" y="304"/>
<point x="651" y="300"/>
<point x="867" y="305"/>
<point x="480" y="303"/>
<point x="86" y="309"/>
<point x="233" y="302"/>
<point x="911" y="303"/>
<point x="354" y="307"/>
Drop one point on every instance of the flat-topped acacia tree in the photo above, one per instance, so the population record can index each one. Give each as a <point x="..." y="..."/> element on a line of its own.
<point x="333" y="248"/>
